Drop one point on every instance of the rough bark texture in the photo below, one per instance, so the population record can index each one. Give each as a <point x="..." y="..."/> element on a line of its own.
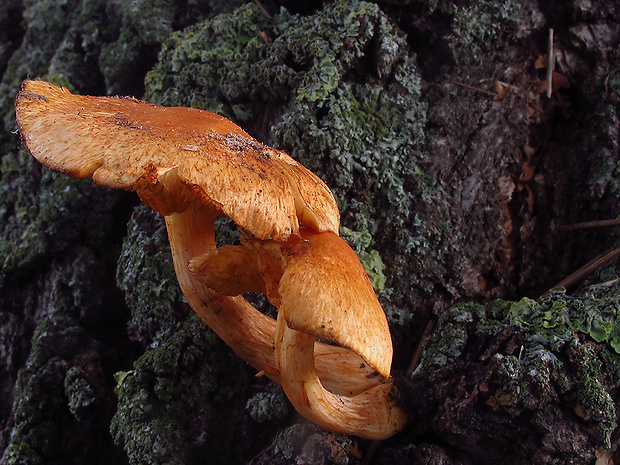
<point x="456" y="176"/>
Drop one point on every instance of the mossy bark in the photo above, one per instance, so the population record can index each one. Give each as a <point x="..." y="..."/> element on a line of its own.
<point x="456" y="176"/>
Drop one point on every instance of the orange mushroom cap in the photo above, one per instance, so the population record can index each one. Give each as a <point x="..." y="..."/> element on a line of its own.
<point x="130" y="144"/>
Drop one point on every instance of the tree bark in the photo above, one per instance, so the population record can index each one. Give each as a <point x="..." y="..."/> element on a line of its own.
<point x="458" y="176"/>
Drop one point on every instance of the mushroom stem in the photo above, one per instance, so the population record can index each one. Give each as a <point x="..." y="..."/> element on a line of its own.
<point x="246" y="330"/>
<point x="372" y="414"/>
<point x="241" y="326"/>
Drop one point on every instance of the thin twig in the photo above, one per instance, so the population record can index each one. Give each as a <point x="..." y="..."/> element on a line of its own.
<point x="585" y="270"/>
<point x="262" y="8"/>
<point x="591" y="224"/>
<point x="370" y="453"/>
<point x="604" y="285"/>
<point x="550" y="64"/>
<point x="418" y="351"/>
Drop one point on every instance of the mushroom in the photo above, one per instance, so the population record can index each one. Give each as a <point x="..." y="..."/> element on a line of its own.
<point x="193" y="166"/>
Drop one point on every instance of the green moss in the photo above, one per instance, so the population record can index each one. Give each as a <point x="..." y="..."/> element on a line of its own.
<point x="22" y="454"/>
<point x="62" y="38"/>
<point x="46" y="23"/>
<point x="371" y="259"/>
<point x="593" y="402"/>
<point x="444" y="346"/>
<point x="284" y="442"/>
<point x="40" y="408"/>
<point x="78" y="391"/>
<point x="77" y="56"/>
<point x="172" y="406"/>
<point x="198" y="65"/>
<point x="480" y="25"/>
<point x="589" y="314"/>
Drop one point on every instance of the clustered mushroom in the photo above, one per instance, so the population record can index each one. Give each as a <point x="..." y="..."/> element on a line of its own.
<point x="193" y="166"/>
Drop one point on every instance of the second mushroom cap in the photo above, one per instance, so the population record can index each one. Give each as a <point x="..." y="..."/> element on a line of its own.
<point x="325" y="291"/>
